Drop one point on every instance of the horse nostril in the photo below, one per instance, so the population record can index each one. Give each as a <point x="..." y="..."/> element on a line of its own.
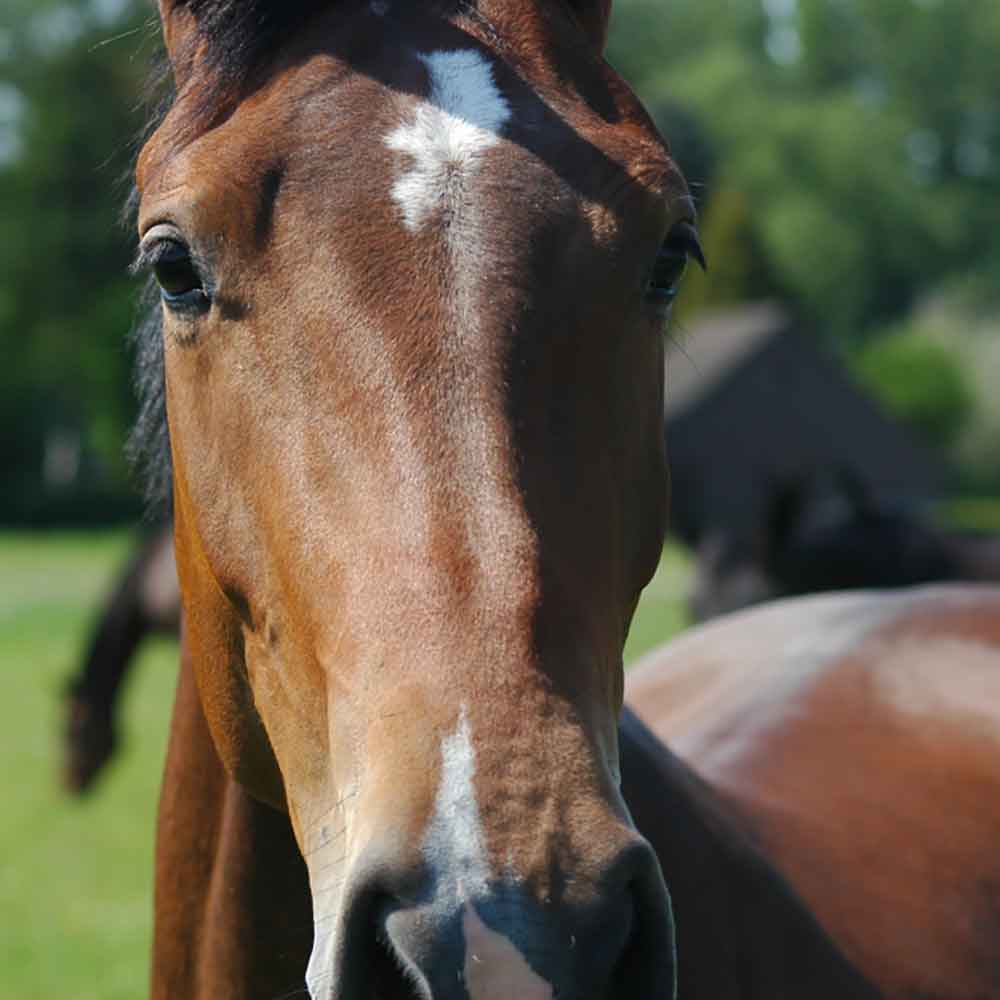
<point x="363" y="961"/>
<point x="631" y="932"/>
<point x="646" y="962"/>
<point x="388" y="979"/>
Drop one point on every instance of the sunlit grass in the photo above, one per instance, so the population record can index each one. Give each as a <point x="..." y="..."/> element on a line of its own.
<point x="662" y="612"/>
<point x="76" y="876"/>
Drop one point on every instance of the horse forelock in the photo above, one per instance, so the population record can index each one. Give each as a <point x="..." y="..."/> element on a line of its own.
<point x="237" y="34"/>
<point x="238" y="37"/>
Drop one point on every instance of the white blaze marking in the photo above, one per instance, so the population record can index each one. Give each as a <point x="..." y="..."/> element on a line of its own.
<point x="455" y="846"/>
<point x="454" y="843"/>
<point x="460" y="119"/>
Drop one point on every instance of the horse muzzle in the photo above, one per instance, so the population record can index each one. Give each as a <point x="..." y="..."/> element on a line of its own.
<point x="403" y="933"/>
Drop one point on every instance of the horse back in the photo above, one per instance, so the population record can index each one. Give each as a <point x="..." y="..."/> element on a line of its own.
<point x="856" y="740"/>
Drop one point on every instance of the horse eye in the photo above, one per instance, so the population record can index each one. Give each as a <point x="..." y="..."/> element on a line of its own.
<point x="176" y="273"/>
<point x="681" y="244"/>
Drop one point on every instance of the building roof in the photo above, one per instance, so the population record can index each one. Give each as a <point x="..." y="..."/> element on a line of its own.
<point x="753" y="403"/>
<point x="700" y="357"/>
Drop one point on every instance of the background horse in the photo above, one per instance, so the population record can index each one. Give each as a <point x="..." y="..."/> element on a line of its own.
<point x="818" y="535"/>
<point x="144" y="601"/>
<point x="852" y="741"/>
<point x="414" y="262"/>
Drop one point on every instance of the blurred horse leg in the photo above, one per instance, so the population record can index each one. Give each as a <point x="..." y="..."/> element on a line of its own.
<point x="145" y="599"/>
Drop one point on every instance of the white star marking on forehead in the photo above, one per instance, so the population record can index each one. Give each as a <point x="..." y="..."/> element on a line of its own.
<point x="460" y="119"/>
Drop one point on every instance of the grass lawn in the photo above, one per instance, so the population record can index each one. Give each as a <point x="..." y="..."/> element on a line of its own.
<point x="75" y="876"/>
<point x="662" y="612"/>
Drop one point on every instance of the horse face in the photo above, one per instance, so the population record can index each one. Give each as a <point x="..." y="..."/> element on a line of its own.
<point x="414" y="280"/>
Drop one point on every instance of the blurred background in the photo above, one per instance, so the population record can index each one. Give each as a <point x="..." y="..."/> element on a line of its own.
<point x="838" y="358"/>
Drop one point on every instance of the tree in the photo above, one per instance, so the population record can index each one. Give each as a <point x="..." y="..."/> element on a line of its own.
<point x="66" y="299"/>
<point x="864" y="136"/>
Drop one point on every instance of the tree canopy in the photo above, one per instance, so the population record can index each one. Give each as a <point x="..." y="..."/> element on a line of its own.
<point x="862" y="135"/>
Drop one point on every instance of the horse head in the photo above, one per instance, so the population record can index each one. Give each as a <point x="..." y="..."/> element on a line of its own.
<point x="415" y="260"/>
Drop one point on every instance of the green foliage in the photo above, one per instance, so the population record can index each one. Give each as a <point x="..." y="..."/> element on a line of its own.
<point x="866" y="147"/>
<point x="735" y="262"/>
<point x="970" y="513"/>
<point x="66" y="298"/>
<point x="919" y="382"/>
<point x="962" y="320"/>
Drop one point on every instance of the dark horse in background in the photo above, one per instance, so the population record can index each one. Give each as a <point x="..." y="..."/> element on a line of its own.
<point x="415" y="261"/>
<point x="819" y="534"/>
<point x="144" y="600"/>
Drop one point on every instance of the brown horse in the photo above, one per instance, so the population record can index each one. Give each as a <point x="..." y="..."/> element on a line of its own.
<point x="854" y="741"/>
<point x="414" y="260"/>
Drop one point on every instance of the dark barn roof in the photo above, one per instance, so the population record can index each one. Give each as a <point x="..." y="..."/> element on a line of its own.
<point x="752" y="403"/>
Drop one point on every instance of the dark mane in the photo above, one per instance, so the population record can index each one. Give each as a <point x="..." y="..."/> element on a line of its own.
<point x="148" y="446"/>
<point x="240" y="37"/>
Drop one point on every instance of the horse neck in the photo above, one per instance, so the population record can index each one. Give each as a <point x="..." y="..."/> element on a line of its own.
<point x="741" y="930"/>
<point x="232" y="906"/>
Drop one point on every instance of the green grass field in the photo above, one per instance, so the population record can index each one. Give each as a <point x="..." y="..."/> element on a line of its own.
<point x="75" y="876"/>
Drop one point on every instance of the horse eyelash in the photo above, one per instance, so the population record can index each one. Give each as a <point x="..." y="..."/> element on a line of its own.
<point x="146" y="257"/>
<point x="142" y="262"/>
